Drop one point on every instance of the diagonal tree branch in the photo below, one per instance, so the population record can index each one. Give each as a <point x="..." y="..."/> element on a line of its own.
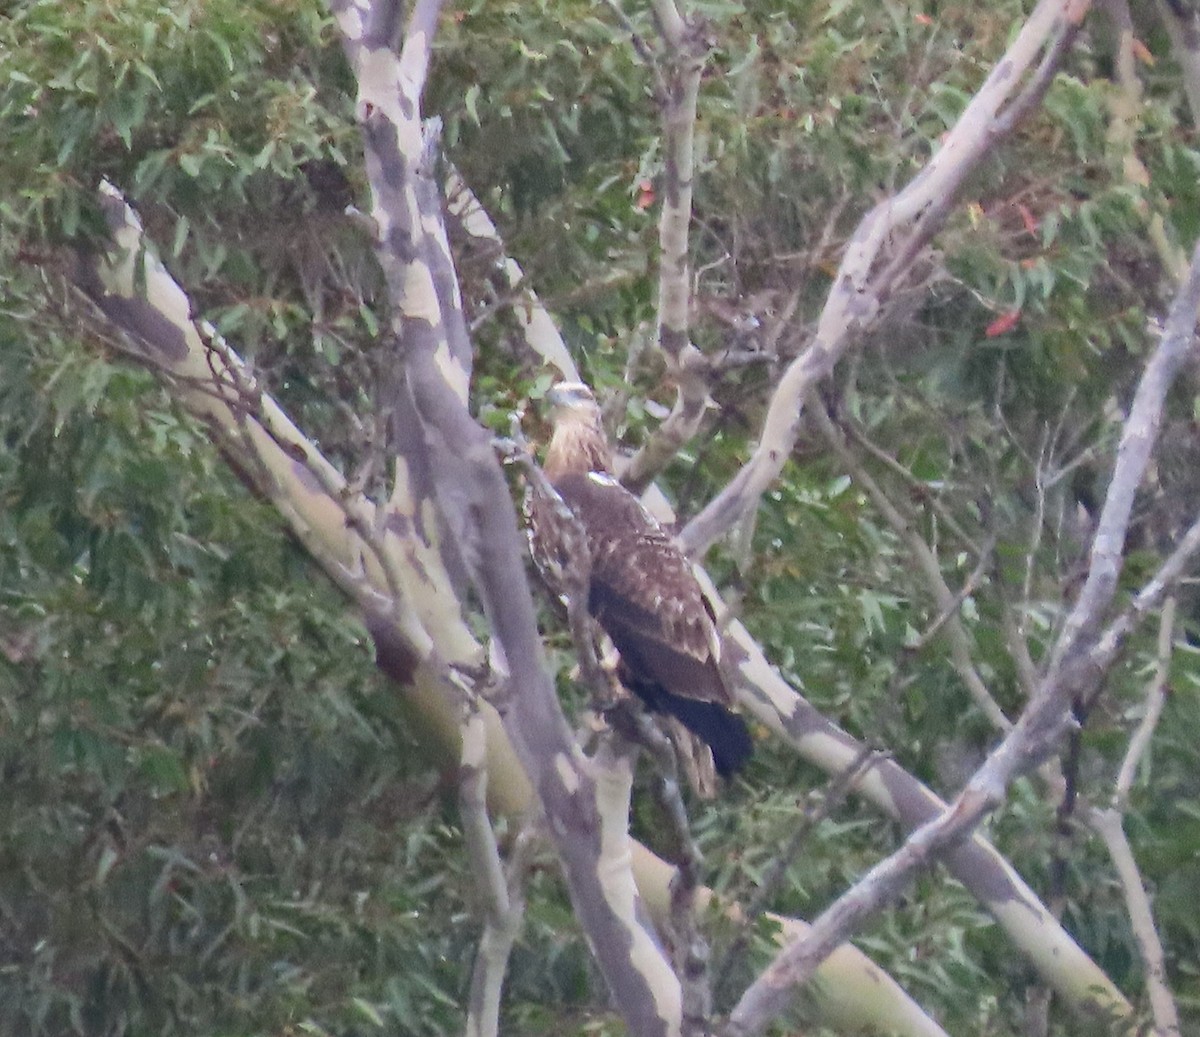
<point x="1080" y="659"/>
<point x="927" y="563"/>
<point x="586" y="807"/>
<point x="502" y="889"/>
<point x="139" y="297"/>
<point x="882" y="248"/>
<point x="977" y="864"/>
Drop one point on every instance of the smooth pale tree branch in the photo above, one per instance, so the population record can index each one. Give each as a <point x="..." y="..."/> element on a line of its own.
<point x="156" y="314"/>
<point x="673" y="26"/>
<point x="1079" y="661"/>
<point x="1030" y="742"/>
<point x="1138" y="436"/>
<point x="586" y="806"/>
<point x="246" y="399"/>
<point x="976" y="864"/>
<point x="690" y="950"/>
<point x="880" y="252"/>
<point x="681" y="66"/>
<point x="1018" y="649"/>
<point x="691" y="376"/>
<point x="918" y="486"/>
<point x="495" y="945"/>
<point x="539" y="334"/>
<point x="536" y="326"/>
<point x="136" y="295"/>
<point x="1109" y="824"/>
<point x="683" y="59"/>
<point x="504" y="903"/>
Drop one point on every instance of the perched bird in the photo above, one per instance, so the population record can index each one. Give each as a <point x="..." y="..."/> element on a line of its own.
<point x="641" y="588"/>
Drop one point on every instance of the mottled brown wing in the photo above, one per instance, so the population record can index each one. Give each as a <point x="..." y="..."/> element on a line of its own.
<point x="548" y="542"/>
<point x="643" y="593"/>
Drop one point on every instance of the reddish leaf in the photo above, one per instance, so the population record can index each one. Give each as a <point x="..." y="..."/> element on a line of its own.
<point x="1030" y="221"/>
<point x="1003" y="324"/>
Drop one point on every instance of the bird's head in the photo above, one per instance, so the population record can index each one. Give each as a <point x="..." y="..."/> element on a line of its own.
<point x="570" y="397"/>
<point x="578" y="443"/>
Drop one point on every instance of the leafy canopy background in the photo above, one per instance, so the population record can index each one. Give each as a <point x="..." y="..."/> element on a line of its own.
<point x="215" y="818"/>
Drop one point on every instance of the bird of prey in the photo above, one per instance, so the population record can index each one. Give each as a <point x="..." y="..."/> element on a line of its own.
<point x="641" y="588"/>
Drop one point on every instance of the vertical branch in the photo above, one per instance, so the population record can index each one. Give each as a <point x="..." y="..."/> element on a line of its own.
<point x="1138" y="437"/>
<point x="1108" y="823"/>
<point x="685" y="47"/>
<point x="1156" y="699"/>
<point x="467" y="514"/>
<point x="685" y="51"/>
<point x="503" y="897"/>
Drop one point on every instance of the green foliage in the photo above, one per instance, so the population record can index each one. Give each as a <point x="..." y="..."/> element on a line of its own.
<point x="214" y="822"/>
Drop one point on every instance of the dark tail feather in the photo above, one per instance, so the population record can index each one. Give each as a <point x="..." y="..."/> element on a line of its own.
<point x="724" y="731"/>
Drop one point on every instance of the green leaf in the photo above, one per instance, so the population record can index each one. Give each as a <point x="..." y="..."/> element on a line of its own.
<point x="368" y="1011"/>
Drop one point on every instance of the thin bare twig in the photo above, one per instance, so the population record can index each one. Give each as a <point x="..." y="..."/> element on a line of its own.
<point x="640" y="47"/>
<point x="502" y="894"/>
<point x="858" y="434"/>
<point x="821" y="804"/>
<point x="689" y="948"/>
<point x="1156" y="699"/>
<point x="931" y="569"/>
<point x="1108" y="823"/>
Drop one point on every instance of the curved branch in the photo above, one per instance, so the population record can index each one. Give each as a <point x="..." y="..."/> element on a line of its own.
<point x="502" y="894"/>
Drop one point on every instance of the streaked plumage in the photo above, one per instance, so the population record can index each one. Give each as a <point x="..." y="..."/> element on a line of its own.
<point x="642" y="591"/>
